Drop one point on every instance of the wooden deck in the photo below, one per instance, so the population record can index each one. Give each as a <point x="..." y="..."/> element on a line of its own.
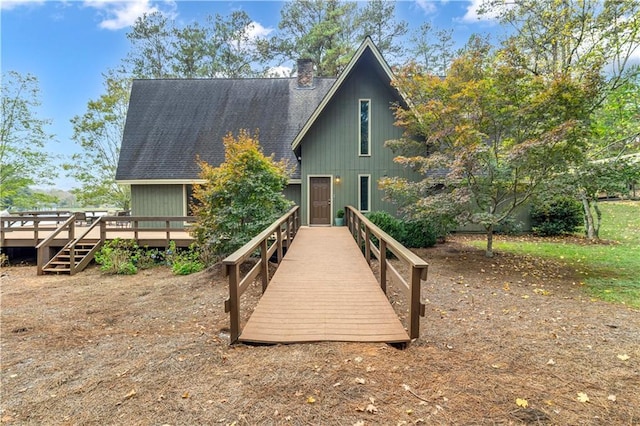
<point x="324" y="290"/>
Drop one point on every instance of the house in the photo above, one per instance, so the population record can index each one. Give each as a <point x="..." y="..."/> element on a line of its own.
<point x="332" y="129"/>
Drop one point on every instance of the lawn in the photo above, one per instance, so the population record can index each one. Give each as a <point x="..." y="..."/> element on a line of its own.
<point x="609" y="269"/>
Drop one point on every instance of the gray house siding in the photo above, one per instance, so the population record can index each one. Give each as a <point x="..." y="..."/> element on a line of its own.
<point x="331" y="146"/>
<point x="293" y="193"/>
<point x="158" y="200"/>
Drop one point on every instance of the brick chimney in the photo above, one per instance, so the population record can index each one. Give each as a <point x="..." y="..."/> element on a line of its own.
<point x="305" y="73"/>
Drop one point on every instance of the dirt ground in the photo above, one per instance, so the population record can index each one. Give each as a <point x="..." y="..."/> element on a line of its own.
<point x="153" y="349"/>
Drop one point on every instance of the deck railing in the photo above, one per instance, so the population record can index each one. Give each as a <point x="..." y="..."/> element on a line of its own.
<point x="267" y="242"/>
<point x="362" y="230"/>
<point x="38" y="224"/>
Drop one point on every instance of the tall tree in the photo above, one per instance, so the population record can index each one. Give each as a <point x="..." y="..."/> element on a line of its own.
<point x="433" y="49"/>
<point x="152" y="39"/>
<point x="485" y="138"/>
<point x="190" y="49"/>
<point x="318" y="30"/>
<point x="232" y="50"/>
<point x="23" y="159"/>
<point x="377" y="20"/>
<point x="99" y="133"/>
<point x="573" y="38"/>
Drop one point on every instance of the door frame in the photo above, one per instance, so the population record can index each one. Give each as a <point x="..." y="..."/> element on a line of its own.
<point x="308" y="201"/>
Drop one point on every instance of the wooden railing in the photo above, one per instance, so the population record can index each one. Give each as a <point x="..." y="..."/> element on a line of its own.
<point x="43" y="249"/>
<point x="267" y="242"/>
<point x="362" y="230"/>
<point x="132" y="227"/>
<point x="58" y="228"/>
<point x="30" y="222"/>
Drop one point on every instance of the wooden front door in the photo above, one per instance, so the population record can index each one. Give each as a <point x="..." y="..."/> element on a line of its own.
<point x="320" y="201"/>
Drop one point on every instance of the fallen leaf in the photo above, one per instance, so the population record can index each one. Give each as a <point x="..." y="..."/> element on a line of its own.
<point x="371" y="409"/>
<point x="551" y="362"/>
<point x="623" y="357"/>
<point x="520" y="402"/>
<point x="359" y="423"/>
<point x="185" y="395"/>
<point x="358" y="359"/>
<point x="360" y="380"/>
<point x="130" y="394"/>
<point x="526" y="296"/>
<point x="582" y="397"/>
<point x="311" y="400"/>
<point x="612" y="398"/>
<point x="409" y="411"/>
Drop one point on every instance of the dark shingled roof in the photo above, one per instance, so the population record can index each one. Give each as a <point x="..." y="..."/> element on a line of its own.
<point x="172" y="121"/>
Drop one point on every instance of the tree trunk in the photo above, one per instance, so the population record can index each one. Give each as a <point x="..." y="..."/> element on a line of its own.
<point x="596" y="230"/>
<point x="489" y="252"/>
<point x="588" y="217"/>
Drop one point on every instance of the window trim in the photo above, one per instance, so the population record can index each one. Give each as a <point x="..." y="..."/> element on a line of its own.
<point x="368" y="154"/>
<point x="368" y="176"/>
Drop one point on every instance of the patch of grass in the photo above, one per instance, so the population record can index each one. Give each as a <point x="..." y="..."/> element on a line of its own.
<point x="610" y="270"/>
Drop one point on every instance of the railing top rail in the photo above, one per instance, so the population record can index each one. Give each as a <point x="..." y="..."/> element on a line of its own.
<point x="149" y="218"/>
<point x="54" y="234"/>
<point x="245" y="251"/>
<point x="397" y="248"/>
<point x="29" y="218"/>
<point x="41" y="213"/>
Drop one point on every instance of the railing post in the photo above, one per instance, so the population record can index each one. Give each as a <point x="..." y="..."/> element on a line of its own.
<point x="72" y="260"/>
<point x="72" y="229"/>
<point x="234" y="303"/>
<point x="168" y="229"/>
<point x="414" y="303"/>
<point x="103" y="230"/>
<point x="264" y="247"/>
<point x="383" y="265"/>
<point x="367" y="244"/>
<point x="279" y="242"/>
<point x="36" y="223"/>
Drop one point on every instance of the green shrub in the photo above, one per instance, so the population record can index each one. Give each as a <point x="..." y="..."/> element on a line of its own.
<point x="418" y="234"/>
<point x="117" y="257"/>
<point x="556" y="216"/>
<point x="414" y="234"/>
<point x="187" y="261"/>
<point x="388" y="223"/>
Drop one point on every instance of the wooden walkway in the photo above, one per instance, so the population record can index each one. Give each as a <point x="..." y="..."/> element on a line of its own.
<point x="324" y="290"/>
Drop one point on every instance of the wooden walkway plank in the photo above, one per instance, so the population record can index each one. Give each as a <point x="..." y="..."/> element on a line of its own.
<point x="323" y="290"/>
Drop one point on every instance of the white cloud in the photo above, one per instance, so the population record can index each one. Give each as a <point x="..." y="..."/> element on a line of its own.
<point x="428" y="6"/>
<point x="255" y="30"/>
<point x="120" y="14"/>
<point x="472" y="14"/>
<point x="12" y="4"/>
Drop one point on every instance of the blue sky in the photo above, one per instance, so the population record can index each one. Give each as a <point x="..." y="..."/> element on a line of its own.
<point x="67" y="45"/>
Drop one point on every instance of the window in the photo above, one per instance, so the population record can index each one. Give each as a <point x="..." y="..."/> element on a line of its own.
<point x="364" y="189"/>
<point x="365" y="126"/>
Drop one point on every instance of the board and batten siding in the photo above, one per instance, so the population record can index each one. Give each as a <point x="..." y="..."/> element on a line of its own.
<point x="331" y="146"/>
<point x="292" y="192"/>
<point x="158" y="200"/>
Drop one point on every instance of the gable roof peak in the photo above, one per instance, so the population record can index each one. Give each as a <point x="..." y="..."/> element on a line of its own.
<point x="367" y="44"/>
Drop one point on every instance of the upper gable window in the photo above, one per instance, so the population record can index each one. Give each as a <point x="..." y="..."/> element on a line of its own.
<point x="365" y="127"/>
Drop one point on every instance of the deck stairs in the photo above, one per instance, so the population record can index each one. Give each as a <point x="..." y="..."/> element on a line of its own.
<point x="83" y="254"/>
